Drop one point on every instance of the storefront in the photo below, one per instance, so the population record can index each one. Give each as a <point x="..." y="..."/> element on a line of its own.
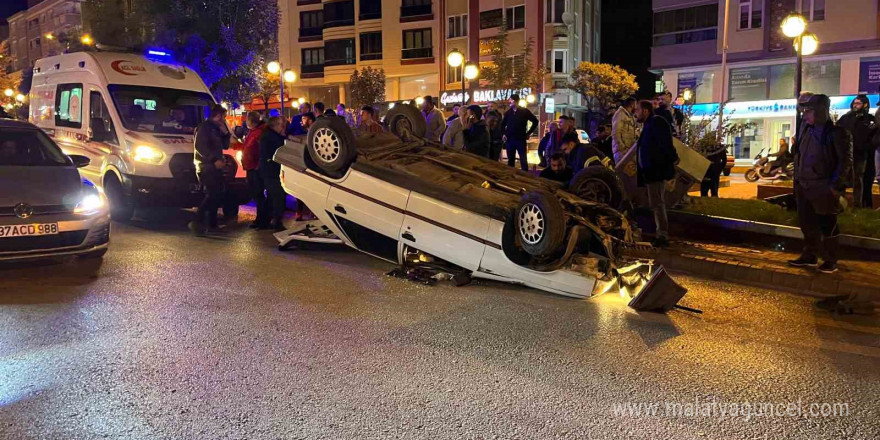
<point x="764" y="123"/>
<point x="412" y="87"/>
<point x="480" y="97"/>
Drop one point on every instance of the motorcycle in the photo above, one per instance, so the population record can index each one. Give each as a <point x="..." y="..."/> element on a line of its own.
<point x="763" y="168"/>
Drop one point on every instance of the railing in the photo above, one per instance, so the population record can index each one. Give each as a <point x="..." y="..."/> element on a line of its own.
<point x="311" y="31"/>
<point x="338" y="62"/>
<point x="371" y="56"/>
<point x="370" y="15"/>
<point x="313" y="68"/>
<point x="338" y="23"/>
<point x="415" y="10"/>
<point x="419" y="52"/>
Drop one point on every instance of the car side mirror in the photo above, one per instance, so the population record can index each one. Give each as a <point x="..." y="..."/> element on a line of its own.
<point x="80" y="161"/>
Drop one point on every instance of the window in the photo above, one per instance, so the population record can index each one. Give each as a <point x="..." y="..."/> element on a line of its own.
<point x="417" y="44"/>
<point x="556" y="60"/>
<point x="411" y="8"/>
<point x="457" y="26"/>
<point x="339" y="52"/>
<point x="160" y="110"/>
<point x="35" y="43"/>
<point x="555" y="9"/>
<point x="370" y="9"/>
<point x="339" y="14"/>
<point x="313" y="60"/>
<point x="515" y="17"/>
<point x="453" y="74"/>
<point x="100" y="122"/>
<point x="750" y="14"/>
<point x="814" y="9"/>
<point x="688" y="25"/>
<point x="26" y="147"/>
<point x="371" y="46"/>
<point x="68" y="105"/>
<point x="491" y="19"/>
<point x="311" y="23"/>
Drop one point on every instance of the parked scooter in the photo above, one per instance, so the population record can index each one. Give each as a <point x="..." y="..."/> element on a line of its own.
<point x="764" y="168"/>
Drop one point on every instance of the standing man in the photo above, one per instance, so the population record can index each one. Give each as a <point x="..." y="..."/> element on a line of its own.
<point x="550" y="139"/>
<point x="496" y="134"/>
<point x="296" y="128"/>
<point x="272" y="139"/>
<point x="517" y="131"/>
<point x="623" y="129"/>
<point x="250" y="161"/>
<point x="862" y="126"/>
<point x="319" y="109"/>
<point x="434" y="118"/>
<point x="656" y="164"/>
<point x="823" y="159"/>
<point x="368" y="121"/>
<point x="345" y="114"/>
<point x="455" y="109"/>
<point x="212" y="137"/>
<point x="453" y="137"/>
<point x="475" y="132"/>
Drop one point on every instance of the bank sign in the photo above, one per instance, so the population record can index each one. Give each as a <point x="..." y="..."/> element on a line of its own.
<point x="483" y="96"/>
<point x="869" y="75"/>
<point x="769" y="109"/>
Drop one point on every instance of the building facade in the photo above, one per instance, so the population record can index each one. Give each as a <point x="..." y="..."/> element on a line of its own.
<point x="33" y="32"/>
<point x="325" y="41"/>
<point x="759" y="81"/>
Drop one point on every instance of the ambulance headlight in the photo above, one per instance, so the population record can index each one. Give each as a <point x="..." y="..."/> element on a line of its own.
<point x="148" y="154"/>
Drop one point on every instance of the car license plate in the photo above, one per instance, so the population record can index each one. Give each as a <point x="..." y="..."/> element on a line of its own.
<point x="28" y="230"/>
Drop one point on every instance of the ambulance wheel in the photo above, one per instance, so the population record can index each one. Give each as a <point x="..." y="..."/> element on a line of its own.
<point x="121" y="206"/>
<point x="331" y="144"/>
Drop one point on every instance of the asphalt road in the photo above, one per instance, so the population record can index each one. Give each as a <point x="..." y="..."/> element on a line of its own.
<point x="177" y="337"/>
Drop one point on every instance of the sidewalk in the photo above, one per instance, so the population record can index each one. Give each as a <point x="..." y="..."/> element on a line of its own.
<point x="769" y="268"/>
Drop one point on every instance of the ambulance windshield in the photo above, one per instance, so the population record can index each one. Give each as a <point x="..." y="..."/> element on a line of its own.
<point x="160" y="110"/>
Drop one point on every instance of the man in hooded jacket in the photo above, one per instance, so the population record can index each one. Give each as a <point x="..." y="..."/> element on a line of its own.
<point x="862" y="126"/>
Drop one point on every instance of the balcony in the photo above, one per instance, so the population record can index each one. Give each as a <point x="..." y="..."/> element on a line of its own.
<point x="416" y="13"/>
<point x="312" y="71"/>
<point x="417" y="53"/>
<point x="338" y="14"/>
<point x="370" y="10"/>
<point x="310" y="33"/>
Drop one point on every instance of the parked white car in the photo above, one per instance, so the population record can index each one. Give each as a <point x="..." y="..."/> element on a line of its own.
<point x="46" y="208"/>
<point x="418" y="204"/>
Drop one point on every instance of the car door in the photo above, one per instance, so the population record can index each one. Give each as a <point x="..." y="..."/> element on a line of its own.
<point x="370" y="212"/>
<point x="445" y="231"/>
<point x="101" y="138"/>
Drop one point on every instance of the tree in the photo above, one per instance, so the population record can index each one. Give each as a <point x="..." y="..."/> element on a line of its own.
<point x="269" y="86"/>
<point x="517" y="71"/>
<point x="702" y="135"/>
<point x="7" y="80"/>
<point x="602" y="85"/>
<point x="367" y="87"/>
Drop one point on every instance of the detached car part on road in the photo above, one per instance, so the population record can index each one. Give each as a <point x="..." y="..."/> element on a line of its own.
<point x="46" y="208"/>
<point x="419" y="204"/>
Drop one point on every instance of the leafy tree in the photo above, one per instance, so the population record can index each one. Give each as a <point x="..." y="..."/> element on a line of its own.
<point x="702" y="134"/>
<point x="602" y="85"/>
<point x="7" y="81"/>
<point x="367" y="87"/>
<point x="512" y="71"/>
<point x="268" y="87"/>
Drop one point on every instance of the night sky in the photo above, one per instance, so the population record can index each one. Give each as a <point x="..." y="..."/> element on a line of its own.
<point x="626" y="39"/>
<point x="9" y="7"/>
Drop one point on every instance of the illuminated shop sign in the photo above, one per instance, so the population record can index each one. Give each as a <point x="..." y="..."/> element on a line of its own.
<point x="771" y="108"/>
<point x="483" y="96"/>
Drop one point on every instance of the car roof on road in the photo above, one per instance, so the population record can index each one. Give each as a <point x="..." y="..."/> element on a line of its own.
<point x="12" y="123"/>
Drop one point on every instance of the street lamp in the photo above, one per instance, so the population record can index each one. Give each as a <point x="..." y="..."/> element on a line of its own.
<point x="687" y="94"/>
<point x="9" y="93"/>
<point x="20" y="98"/>
<point x="86" y="39"/>
<point x="469" y="71"/>
<point x="805" y="43"/>
<point x="286" y="76"/>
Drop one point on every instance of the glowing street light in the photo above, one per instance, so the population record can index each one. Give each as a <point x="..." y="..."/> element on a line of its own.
<point x="86" y="39"/>
<point x="20" y="98"/>
<point x="810" y="43"/>
<point x="805" y="43"/>
<point x="469" y="71"/>
<point x="301" y="100"/>
<point x="530" y="98"/>
<point x="49" y="36"/>
<point x="687" y="94"/>
<point x="794" y="25"/>
<point x="455" y="58"/>
<point x="274" y="67"/>
<point x="9" y="93"/>
<point x="287" y="76"/>
<point x="420" y="100"/>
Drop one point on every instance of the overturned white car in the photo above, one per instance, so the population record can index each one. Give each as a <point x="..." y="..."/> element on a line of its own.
<point x="427" y="207"/>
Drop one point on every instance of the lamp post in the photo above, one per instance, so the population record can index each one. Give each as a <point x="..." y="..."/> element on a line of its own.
<point x="805" y="43"/>
<point x="286" y="76"/>
<point x="469" y="71"/>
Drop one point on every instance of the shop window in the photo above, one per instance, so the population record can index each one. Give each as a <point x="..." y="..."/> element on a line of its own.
<point x="686" y="25"/>
<point x="491" y="19"/>
<point x="457" y="26"/>
<point x="750" y="14"/>
<point x="417" y="44"/>
<point x="700" y="83"/>
<point x="371" y="46"/>
<point x="782" y="81"/>
<point x="748" y="83"/>
<point x="555" y="9"/>
<point x="515" y="17"/>
<point x="68" y="105"/>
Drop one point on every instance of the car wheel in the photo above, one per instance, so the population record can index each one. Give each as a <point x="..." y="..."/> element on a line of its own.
<point x="331" y="144"/>
<point x="598" y="184"/>
<point x="404" y="121"/>
<point x="727" y="171"/>
<point x="121" y="207"/>
<point x="540" y="223"/>
<point x="230" y="211"/>
<point x="752" y="176"/>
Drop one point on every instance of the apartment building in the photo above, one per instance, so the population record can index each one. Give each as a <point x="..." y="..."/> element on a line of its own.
<point x="324" y="41"/>
<point x="33" y="32"/>
<point x="760" y="77"/>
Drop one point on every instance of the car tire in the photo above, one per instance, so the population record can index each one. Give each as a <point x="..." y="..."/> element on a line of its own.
<point x="598" y="184"/>
<point x="726" y="171"/>
<point x="752" y="176"/>
<point x="331" y="144"/>
<point x="94" y="255"/>
<point x="540" y="223"/>
<point x="121" y="206"/>
<point x="405" y="120"/>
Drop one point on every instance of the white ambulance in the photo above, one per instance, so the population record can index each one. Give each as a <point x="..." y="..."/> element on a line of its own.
<point x="134" y="116"/>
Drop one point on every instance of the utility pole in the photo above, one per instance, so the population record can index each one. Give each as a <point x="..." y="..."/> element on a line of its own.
<point x="724" y="47"/>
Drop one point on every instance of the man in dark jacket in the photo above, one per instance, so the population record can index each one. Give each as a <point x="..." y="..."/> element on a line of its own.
<point x="496" y="134"/>
<point x="552" y="137"/>
<point x="558" y="169"/>
<point x="270" y="170"/>
<point x="656" y="158"/>
<point x="475" y="131"/>
<point x="823" y="160"/>
<point x="212" y="137"/>
<point x="250" y="162"/>
<point x="862" y="126"/>
<point x="516" y="129"/>
<point x="295" y="128"/>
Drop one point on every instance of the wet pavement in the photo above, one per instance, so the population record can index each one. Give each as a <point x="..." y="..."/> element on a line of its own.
<point x="177" y="337"/>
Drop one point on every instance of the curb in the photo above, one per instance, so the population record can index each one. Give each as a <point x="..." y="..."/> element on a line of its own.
<point x="797" y="281"/>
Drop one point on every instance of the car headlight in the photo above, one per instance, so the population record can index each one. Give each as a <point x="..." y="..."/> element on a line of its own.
<point x="90" y="203"/>
<point x="148" y="154"/>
